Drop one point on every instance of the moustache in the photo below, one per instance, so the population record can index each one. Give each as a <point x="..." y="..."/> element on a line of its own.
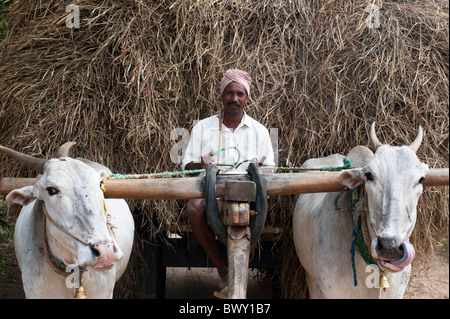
<point x="234" y="103"/>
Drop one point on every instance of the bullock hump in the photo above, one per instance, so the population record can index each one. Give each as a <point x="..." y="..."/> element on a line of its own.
<point x="331" y="160"/>
<point x="360" y="156"/>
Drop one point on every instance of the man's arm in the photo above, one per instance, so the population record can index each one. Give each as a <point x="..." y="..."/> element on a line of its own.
<point x="193" y="157"/>
<point x="205" y="161"/>
<point x="192" y="165"/>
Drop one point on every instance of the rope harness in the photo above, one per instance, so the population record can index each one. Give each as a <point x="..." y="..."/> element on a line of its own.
<point x="360" y="232"/>
<point x="62" y="228"/>
<point x="57" y="265"/>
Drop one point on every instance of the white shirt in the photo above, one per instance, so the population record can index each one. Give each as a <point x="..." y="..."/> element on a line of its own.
<point x="250" y="137"/>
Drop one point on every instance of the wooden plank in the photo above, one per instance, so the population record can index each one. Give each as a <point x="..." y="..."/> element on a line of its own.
<point x="240" y="191"/>
<point x="437" y="177"/>
<point x="238" y="252"/>
<point x="161" y="188"/>
<point x="7" y="184"/>
<point x="187" y="188"/>
<point x="277" y="184"/>
<point x="192" y="187"/>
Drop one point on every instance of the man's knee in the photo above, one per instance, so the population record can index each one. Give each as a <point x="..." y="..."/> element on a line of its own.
<point x="195" y="208"/>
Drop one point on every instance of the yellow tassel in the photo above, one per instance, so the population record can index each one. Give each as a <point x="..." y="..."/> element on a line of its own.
<point x="104" y="191"/>
<point x="80" y="293"/>
<point x="384" y="281"/>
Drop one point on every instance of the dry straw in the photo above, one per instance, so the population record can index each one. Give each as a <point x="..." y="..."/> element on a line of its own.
<point x="136" y="70"/>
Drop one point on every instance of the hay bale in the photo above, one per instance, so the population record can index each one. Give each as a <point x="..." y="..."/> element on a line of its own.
<point x="134" y="71"/>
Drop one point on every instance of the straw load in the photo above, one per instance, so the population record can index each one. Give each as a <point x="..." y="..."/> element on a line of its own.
<point x="128" y="79"/>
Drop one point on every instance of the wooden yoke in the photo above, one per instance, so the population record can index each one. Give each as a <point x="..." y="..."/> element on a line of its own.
<point x="193" y="187"/>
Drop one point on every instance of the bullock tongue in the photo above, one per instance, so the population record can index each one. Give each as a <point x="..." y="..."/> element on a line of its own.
<point x="397" y="265"/>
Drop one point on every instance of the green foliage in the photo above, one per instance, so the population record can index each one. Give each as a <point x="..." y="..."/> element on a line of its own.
<point x="6" y="230"/>
<point x="4" y="6"/>
<point x="3" y="263"/>
<point x="6" y="224"/>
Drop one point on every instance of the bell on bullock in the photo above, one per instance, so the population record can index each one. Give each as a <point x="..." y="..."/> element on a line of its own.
<point x="80" y="293"/>
<point x="384" y="281"/>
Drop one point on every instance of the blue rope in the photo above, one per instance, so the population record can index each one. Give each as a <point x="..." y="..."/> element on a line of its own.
<point x="358" y="244"/>
<point x="354" y="201"/>
<point x="352" y="253"/>
<point x="353" y="248"/>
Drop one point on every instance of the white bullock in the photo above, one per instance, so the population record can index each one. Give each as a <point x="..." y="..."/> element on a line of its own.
<point x="390" y="183"/>
<point x="63" y="235"/>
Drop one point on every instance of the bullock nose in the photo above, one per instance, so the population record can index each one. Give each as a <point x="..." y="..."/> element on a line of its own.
<point x="389" y="248"/>
<point x="105" y="254"/>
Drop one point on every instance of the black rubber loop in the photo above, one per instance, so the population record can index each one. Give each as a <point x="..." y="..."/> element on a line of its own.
<point x="212" y="209"/>
<point x="257" y="222"/>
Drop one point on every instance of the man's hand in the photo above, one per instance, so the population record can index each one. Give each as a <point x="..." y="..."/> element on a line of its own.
<point x="258" y="162"/>
<point x="207" y="159"/>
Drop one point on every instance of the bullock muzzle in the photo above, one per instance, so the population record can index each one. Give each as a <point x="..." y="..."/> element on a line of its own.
<point x="394" y="255"/>
<point x="105" y="254"/>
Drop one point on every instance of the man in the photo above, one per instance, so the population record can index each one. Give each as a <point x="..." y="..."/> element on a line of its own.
<point x="236" y="130"/>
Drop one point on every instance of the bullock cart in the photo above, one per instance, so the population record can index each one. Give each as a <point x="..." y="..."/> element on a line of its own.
<point x="242" y="221"/>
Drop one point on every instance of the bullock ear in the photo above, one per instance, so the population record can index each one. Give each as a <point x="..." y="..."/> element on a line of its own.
<point x="22" y="196"/>
<point x="351" y="178"/>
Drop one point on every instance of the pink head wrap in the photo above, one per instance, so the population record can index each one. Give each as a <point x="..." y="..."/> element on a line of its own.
<point x="238" y="76"/>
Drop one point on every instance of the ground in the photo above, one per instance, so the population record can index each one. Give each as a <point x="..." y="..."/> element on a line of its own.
<point x="429" y="282"/>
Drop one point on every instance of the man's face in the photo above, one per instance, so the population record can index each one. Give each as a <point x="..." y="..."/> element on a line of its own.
<point x="234" y="98"/>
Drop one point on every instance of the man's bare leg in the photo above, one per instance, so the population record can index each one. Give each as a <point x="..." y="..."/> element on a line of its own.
<point x="202" y="231"/>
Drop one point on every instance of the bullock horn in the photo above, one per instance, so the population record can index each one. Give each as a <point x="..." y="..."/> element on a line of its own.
<point x="32" y="162"/>
<point x="63" y="150"/>
<point x="415" y="145"/>
<point x="373" y="137"/>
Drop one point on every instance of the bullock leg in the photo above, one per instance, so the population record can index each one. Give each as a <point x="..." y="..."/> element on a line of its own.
<point x="238" y="243"/>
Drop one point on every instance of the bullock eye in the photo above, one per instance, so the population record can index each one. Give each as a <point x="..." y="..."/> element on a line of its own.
<point x="52" y="191"/>
<point x="421" y="180"/>
<point x="368" y="176"/>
